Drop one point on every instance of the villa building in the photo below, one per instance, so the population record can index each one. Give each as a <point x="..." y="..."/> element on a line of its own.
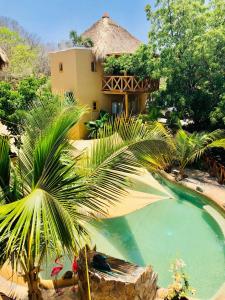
<point x="80" y="71"/>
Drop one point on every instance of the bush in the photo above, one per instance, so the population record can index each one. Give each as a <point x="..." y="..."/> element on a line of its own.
<point x="16" y="100"/>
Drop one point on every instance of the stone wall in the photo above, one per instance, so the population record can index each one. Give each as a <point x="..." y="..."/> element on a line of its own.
<point x="127" y="282"/>
<point x="143" y="289"/>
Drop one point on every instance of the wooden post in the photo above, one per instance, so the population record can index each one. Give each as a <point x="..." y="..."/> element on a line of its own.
<point x="126" y="106"/>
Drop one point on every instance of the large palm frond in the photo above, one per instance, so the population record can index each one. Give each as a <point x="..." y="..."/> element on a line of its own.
<point x="4" y="166"/>
<point x="123" y="147"/>
<point x="49" y="208"/>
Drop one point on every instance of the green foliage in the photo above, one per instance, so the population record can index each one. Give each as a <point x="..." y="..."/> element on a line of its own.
<point x="173" y="120"/>
<point x="142" y="63"/>
<point x="78" y="40"/>
<point x="94" y="126"/>
<point x="189" y="36"/>
<point x="217" y="116"/>
<point x="22" y="57"/>
<point x="10" y="104"/>
<point x="190" y="147"/>
<point x="16" y="100"/>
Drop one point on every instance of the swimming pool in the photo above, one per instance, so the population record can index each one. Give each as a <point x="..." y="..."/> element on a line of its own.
<point x="177" y="227"/>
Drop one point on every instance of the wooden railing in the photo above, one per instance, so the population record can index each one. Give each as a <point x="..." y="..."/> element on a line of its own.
<point x="129" y="84"/>
<point x="216" y="169"/>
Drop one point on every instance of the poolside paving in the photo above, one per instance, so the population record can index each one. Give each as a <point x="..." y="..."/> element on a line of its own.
<point x="208" y="184"/>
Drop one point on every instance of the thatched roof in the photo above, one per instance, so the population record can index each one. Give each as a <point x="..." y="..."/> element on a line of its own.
<point x="110" y="38"/>
<point x="3" y="59"/>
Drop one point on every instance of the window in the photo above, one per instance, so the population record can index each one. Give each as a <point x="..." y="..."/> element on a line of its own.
<point x="94" y="105"/>
<point x="117" y="108"/>
<point x="93" y="66"/>
<point x="60" y="67"/>
<point x="69" y="96"/>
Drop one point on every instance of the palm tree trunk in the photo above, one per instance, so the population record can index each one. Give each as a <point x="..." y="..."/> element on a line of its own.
<point x="33" y="281"/>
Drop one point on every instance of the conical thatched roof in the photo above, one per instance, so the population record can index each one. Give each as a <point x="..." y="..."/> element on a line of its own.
<point x="110" y="38"/>
<point x="3" y="59"/>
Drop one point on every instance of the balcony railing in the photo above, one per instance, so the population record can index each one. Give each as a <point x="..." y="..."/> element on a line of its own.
<point x="128" y="84"/>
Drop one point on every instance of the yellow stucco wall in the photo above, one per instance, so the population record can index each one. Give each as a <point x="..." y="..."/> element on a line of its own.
<point x="86" y="85"/>
<point x="78" y="77"/>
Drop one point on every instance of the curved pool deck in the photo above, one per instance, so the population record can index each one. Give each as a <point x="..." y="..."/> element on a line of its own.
<point x="138" y="198"/>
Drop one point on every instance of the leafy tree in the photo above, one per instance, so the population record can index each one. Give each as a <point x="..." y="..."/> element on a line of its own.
<point x="78" y="40"/>
<point x="28" y="88"/>
<point x="16" y="100"/>
<point x="10" y="103"/>
<point x="189" y="36"/>
<point x="143" y="63"/>
<point x="217" y="116"/>
<point x="21" y="56"/>
<point x="47" y="194"/>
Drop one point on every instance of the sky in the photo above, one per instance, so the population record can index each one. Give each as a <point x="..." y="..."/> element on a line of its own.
<point x="52" y="20"/>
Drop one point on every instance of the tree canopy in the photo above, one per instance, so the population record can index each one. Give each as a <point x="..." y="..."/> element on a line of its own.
<point x="27" y="56"/>
<point x="189" y="36"/>
<point x="15" y="100"/>
<point x="142" y="63"/>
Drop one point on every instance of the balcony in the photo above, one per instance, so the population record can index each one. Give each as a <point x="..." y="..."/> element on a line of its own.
<point x="128" y="84"/>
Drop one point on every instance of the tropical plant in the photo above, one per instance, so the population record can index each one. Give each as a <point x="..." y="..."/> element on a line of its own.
<point x="180" y="288"/>
<point x="47" y="194"/>
<point x="191" y="146"/>
<point x="78" y="40"/>
<point x="94" y="126"/>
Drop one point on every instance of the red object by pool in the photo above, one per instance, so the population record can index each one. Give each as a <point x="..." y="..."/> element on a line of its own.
<point x="56" y="270"/>
<point x="75" y="265"/>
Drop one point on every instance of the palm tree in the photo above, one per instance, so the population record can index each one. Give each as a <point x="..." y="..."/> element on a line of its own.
<point x="47" y="194"/>
<point x="78" y="40"/>
<point x="190" y="147"/>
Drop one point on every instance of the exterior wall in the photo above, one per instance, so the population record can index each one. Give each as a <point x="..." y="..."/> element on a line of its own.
<point x="78" y="77"/>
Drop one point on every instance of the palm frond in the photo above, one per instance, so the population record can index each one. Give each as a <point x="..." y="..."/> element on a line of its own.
<point x="190" y="147"/>
<point x="123" y="147"/>
<point x="4" y="165"/>
<point x="39" y="216"/>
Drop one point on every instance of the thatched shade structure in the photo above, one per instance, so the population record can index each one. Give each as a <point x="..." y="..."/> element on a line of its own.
<point x="110" y="38"/>
<point x="3" y="59"/>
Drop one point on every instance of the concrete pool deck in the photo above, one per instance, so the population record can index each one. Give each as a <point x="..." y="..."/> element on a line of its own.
<point x="149" y="191"/>
<point x="209" y="186"/>
<point x="137" y="199"/>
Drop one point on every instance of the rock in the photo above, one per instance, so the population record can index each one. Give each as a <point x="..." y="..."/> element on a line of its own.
<point x="199" y="189"/>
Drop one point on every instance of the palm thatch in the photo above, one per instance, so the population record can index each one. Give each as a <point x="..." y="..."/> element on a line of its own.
<point x="3" y="59"/>
<point x="110" y="38"/>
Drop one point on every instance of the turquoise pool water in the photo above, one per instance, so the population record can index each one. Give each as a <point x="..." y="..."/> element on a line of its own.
<point x="165" y="230"/>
